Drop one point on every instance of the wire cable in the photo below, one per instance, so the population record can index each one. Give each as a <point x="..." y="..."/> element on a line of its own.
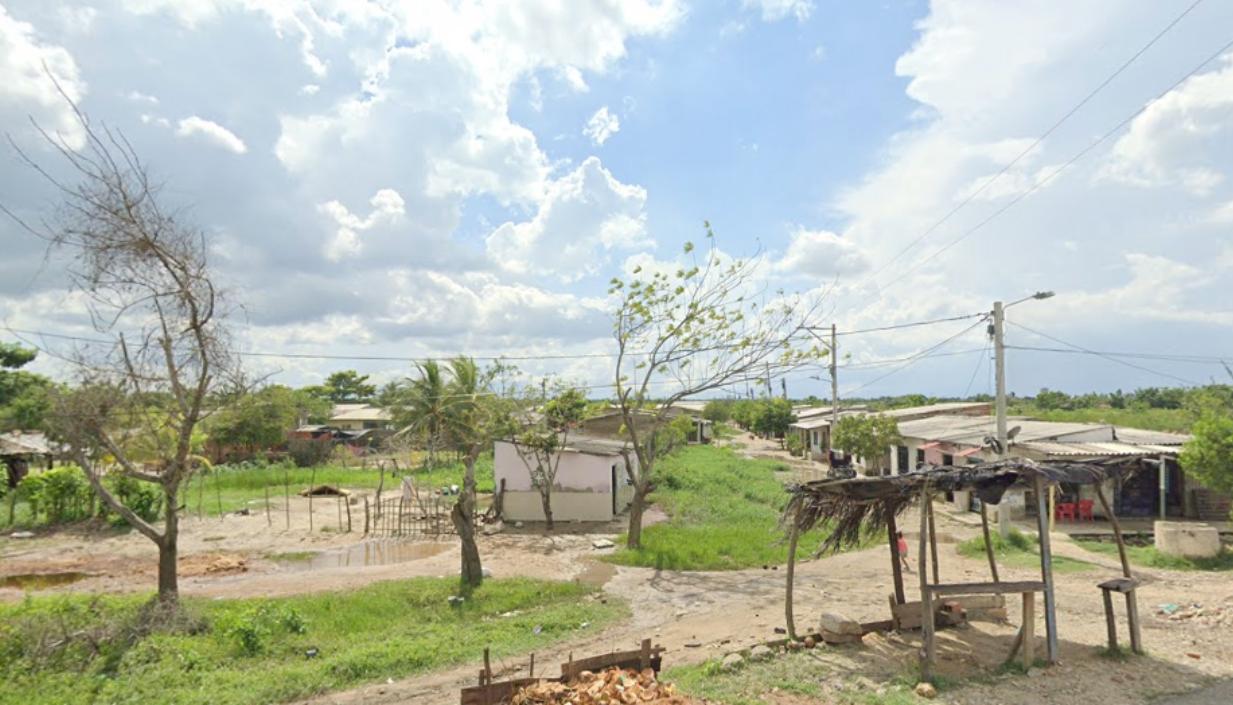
<point x="927" y="352"/>
<point x="1110" y="358"/>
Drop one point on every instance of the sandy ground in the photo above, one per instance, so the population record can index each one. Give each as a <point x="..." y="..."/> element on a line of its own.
<point x="695" y="615"/>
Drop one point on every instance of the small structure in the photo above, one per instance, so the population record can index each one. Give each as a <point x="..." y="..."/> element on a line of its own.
<point x="359" y="417"/>
<point x="591" y="481"/>
<point x="610" y="424"/>
<point x="20" y="449"/>
<point x="850" y="506"/>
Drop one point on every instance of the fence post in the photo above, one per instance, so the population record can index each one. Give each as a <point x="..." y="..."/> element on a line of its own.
<point x="338" y="506"/>
<point x="365" y="515"/>
<point x="268" y="521"/>
<point x="347" y="502"/>
<point x="287" y="497"/>
<point x="312" y="482"/>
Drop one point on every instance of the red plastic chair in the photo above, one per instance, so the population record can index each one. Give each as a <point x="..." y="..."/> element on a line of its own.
<point x="1065" y="511"/>
<point x="1085" y="510"/>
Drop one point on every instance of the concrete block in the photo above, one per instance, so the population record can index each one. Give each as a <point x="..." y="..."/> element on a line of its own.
<point x="1187" y="539"/>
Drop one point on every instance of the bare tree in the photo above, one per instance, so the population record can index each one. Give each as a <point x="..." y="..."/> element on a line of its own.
<point x="542" y="444"/>
<point x="146" y="277"/>
<point x="702" y="328"/>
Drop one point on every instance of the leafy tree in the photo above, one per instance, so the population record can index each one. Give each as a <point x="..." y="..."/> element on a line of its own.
<point x="349" y="387"/>
<point x="1208" y="455"/>
<point x="774" y="417"/>
<point x="540" y="444"/>
<point x="1049" y="399"/>
<point x="867" y="437"/>
<point x="421" y="407"/>
<point x="717" y="410"/>
<point x="263" y="418"/>
<point x="709" y="325"/>
<point x="24" y="403"/>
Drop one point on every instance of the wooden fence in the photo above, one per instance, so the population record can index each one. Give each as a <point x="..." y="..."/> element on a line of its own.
<point x="412" y="518"/>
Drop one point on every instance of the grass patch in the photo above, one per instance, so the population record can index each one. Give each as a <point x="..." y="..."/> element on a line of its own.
<point x="292" y="556"/>
<point x="800" y="673"/>
<point x="1020" y="551"/>
<point x="245" y="486"/>
<point x="82" y="649"/>
<point x="1149" y="557"/>
<point x="723" y="514"/>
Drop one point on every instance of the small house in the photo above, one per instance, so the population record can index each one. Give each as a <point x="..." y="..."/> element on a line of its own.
<point x="359" y="417"/>
<point x="591" y="481"/>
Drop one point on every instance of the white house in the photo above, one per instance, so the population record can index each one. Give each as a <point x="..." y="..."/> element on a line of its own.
<point x="359" y="417"/>
<point x="591" y="482"/>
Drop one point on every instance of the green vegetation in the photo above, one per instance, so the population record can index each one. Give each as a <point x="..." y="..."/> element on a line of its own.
<point x="723" y="514"/>
<point x="24" y="399"/>
<point x="800" y="673"/>
<point x="1020" y="551"/>
<point x="1172" y="420"/>
<point x="1208" y="456"/>
<point x="241" y="652"/>
<point x="1149" y="557"/>
<point x="63" y="494"/>
<point x="868" y="438"/>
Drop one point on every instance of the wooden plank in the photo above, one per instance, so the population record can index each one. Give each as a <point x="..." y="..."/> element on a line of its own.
<point x="987" y="588"/>
<point x="1110" y="621"/>
<point x="1132" y="615"/>
<point x="892" y="532"/>
<point x="933" y="545"/>
<point x="1046" y="570"/>
<point x="1029" y="630"/>
<point x="495" y="693"/>
<point x="1122" y="585"/>
<point x="984" y="527"/>
<point x="926" y="616"/>
<point x="978" y="602"/>
<point x="616" y="659"/>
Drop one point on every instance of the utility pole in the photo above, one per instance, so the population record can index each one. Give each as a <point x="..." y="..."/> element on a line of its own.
<point x="770" y="391"/>
<point x="999" y="354"/>
<point x="783" y="386"/>
<point x="830" y="436"/>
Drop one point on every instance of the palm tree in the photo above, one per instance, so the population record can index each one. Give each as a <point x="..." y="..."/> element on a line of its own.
<point x="427" y="399"/>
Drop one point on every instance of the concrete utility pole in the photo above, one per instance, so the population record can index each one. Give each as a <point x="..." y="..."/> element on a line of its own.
<point x="830" y="436"/>
<point x="999" y="354"/>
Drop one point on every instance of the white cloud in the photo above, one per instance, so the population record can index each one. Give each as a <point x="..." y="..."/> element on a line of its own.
<point x="601" y="126"/>
<point x="821" y="253"/>
<point x="309" y="89"/>
<point x="211" y="131"/>
<point x="775" y="10"/>
<point x="26" y="88"/>
<point x="139" y="97"/>
<point x="1182" y="138"/>
<point x="387" y="207"/>
<point x="77" y="19"/>
<point x="584" y="215"/>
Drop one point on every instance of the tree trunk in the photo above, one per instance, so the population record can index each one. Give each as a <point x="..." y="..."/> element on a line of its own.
<point x="464" y="523"/>
<point x="168" y="554"/>
<point x="633" y="538"/>
<point x="545" y="496"/>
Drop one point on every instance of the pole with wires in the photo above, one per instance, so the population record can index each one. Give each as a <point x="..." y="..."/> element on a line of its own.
<point x="999" y="355"/>
<point x="830" y="434"/>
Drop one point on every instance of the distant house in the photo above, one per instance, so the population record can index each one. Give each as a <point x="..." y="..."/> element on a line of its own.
<point x="813" y="424"/>
<point x="611" y="423"/>
<point x="591" y="481"/>
<point x="20" y="449"/>
<point x="359" y="417"/>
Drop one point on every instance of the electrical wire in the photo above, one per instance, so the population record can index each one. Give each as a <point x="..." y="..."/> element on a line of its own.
<point x="1191" y="359"/>
<point x="1036" y="143"/>
<point x="927" y="352"/>
<point x="1110" y="358"/>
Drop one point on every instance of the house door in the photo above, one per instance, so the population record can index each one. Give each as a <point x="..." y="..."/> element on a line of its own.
<point x="902" y="459"/>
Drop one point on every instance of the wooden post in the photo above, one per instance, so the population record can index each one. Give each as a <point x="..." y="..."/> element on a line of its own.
<point x="1029" y="630"/>
<point x="1132" y="616"/>
<point x="793" y="538"/>
<point x="1110" y="620"/>
<point x="892" y="534"/>
<point x="287" y="498"/>
<point x="338" y="506"/>
<point x="365" y="515"/>
<point x="644" y="656"/>
<point x="933" y="546"/>
<point x="984" y="528"/>
<point x="312" y="482"/>
<point x="926" y="599"/>
<point x="531" y="672"/>
<point x="1046" y="569"/>
<point x="487" y="666"/>
<point x="268" y="520"/>
<point x="347" y="504"/>
<point x="1117" y="530"/>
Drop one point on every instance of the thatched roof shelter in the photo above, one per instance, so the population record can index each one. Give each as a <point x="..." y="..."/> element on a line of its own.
<point x="851" y="504"/>
<point x="852" y="507"/>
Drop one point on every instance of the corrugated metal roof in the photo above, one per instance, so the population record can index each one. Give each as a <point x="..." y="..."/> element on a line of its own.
<point x="935" y="409"/>
<point x="359" y="412"/>
<point x="24" y="443"/>
<point x="1095" y="450"/>
<point x="1141" y="436"/>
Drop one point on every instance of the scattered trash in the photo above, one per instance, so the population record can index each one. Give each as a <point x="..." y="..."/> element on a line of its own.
<point x="584" y="625"/>
<point x="537" y="629"/>
<point x="602" y="544"/>
<point x="611" y="686"/>
<point x="1169" y="608"/>
<point x="456" y="600"/>
<point x="926" y="690"/>
<point x="311" y="653"/>
<point x="22" y="535"/>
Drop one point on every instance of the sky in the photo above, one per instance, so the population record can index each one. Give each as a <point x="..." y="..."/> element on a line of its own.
<point x="424" y="178"/>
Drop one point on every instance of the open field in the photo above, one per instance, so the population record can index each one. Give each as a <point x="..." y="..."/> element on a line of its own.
<point x="723" y="513"/>
<point x="253" y="651"/>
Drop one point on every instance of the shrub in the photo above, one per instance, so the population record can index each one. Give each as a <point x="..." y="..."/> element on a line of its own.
<point x="144" y="498"/>
<point x="60" y="494"/>
<point x="306" y="452"/>
<point x="249" y="630"/>
<point x="795" y="445"/>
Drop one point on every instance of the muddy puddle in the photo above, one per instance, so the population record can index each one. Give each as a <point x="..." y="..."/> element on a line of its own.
<point x="596" y="574"/>
<point x="41" y="581"/>
<point x="367" y="553"/>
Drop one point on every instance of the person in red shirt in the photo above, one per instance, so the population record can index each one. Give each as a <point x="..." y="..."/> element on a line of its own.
<point x="902" y="547"/>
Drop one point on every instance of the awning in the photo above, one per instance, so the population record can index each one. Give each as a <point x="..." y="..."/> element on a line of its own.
<point x="930" y="445"/>
<point x="966" y="452"/>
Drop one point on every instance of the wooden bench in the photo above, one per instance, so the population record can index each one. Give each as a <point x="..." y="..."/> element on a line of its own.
<point x="1125" y="586"/>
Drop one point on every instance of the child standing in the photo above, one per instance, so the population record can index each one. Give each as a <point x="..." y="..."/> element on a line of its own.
<point x="902" y="547"/>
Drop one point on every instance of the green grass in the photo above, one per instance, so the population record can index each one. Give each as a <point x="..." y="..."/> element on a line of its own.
<point x="800" y="673"/>
<point x="1149" y="557"/>
<point x="1174" y="420"/>
<point x="723" y="514"/>
<point x="254" y="651"/>
<point x="1020" y="551"/>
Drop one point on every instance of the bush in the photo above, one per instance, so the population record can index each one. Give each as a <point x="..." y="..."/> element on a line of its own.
<point x="144" y="498"/>
<point x="60" y="494"/>
<point x="251" y="629"/>
<point x="306" y="452"/>
<point x="795" y="445"/>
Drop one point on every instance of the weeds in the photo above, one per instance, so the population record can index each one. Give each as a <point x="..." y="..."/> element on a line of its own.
<point x="1149" y="557"/>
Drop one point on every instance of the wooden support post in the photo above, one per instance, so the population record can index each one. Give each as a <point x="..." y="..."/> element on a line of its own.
<point x="312" y="482"/>
<point x="892" y="534"/>
<point x="933" y="546"/>
<point x="287" y="498"/>
<point x="531" y="672"/>
<point x="1028" y="646"/>
<point x="1046" y="569"/>
<point x="268" y="521"/>
<point x="338" y="506"/>
<point x="1132" y="603"/>
<point x="926" y="599"/>
<point x="793" y="539"/>
<point x="1132" y="616"/>
<point x="347" y="504"/>
<point x="1110" y="621"/>
<point x="644" y="657"/>
<point x="365" y="515"/>
<point x="487" y="666"/>
<point x="984" y="528"/>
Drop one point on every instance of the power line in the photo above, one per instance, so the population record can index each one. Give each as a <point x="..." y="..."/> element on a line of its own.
<point x="912" y="324"/>
<point x="927" y="352"/>
<point x="1105" y="356"/>
<point x="1036" y="143"/>
<point x="1192" y="359"/>
<point x="976" y="370"/>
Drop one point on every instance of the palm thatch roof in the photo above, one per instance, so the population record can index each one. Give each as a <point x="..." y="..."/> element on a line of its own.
<point x="853" y="504"/>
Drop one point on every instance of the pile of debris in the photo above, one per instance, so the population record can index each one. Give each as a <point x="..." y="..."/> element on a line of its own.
<point x="1209" y="616"/>
<point x="613" y="686"/>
